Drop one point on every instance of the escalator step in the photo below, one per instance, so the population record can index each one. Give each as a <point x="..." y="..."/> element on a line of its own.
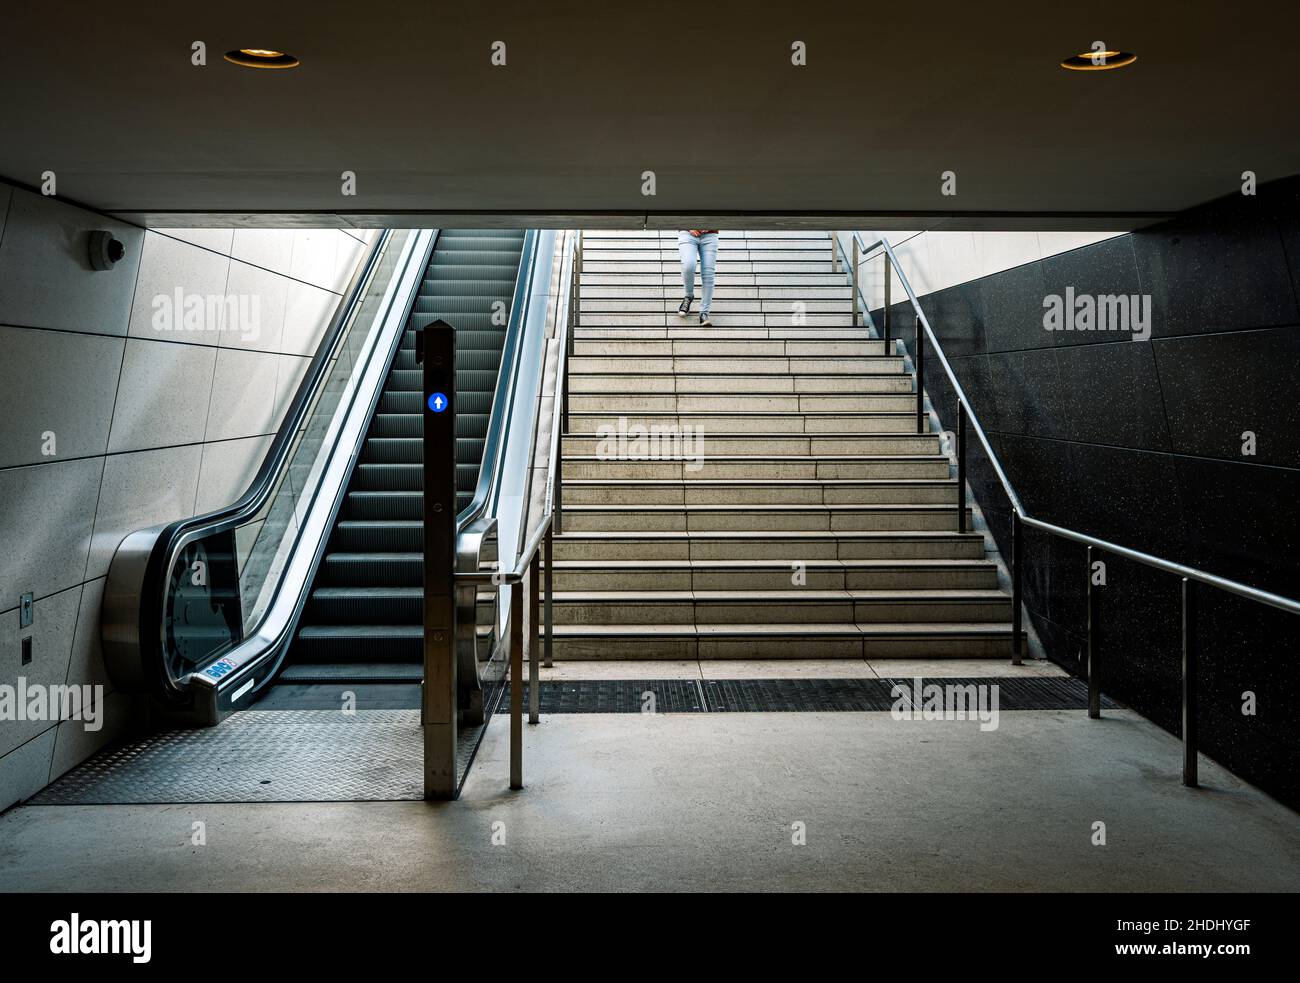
<point x="360" y="643"/>
<point x="372" y="570"/>
<point x="378" y="536"/>
<point x="385" y="505"/>
<point x="365" y="606"/>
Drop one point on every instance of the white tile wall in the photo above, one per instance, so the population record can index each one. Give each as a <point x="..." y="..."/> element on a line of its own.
<point x="169" y="266"/>
<point x="271" y="249"/>
<point x="218" y="240"/>
<point x="141" y="489"/>
<point x="938" y="260"/>
<point x="264" y="296"/>
<point x="150" y="425"/>
<point x="46" y="280"/>
<point x="307" y="309"/>
<point x="54" y="622"/>
<point x="227" y="468"/>
<point x="45" y="526"/>
<point x="243" y="394"/>
<point x="162" y="395"/>
<point x="314" y="252"/>
<point x="60" y="383"/>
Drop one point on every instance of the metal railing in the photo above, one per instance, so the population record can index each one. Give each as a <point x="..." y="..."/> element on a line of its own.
<point x="966" y="417"/>
<point x="539" y="546"/>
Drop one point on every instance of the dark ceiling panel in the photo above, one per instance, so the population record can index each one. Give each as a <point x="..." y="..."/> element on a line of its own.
<point x="703" y="94"/>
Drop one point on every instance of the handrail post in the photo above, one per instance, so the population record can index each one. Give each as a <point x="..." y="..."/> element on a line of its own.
<point x="961" y="466"/>
<point x="558" y="501"/>
<point x="439" y="693"/>
<point x="920" y="377"/>
<point x="516" y="687"/>
<point x="884" y="331"/>
<point x="549" y="587"/>
<point x="534" y="639"/>
<point x="1017" y="585"/>
<point x="1093" y="653"/>
<point x="1190" y="659"/>
<point x="835" y="256"/>
<point x="855" y="280"/>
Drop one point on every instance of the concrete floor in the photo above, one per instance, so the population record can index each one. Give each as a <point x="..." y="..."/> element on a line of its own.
<point x="706" y="802"/>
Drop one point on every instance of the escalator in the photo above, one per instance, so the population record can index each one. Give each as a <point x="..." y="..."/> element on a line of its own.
<point x="363" y="620"/>
<point x="314" y="575"/>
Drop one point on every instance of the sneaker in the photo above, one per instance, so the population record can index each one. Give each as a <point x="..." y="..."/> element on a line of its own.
<point x="704" y="318"/>
<point x="685" y="309"/>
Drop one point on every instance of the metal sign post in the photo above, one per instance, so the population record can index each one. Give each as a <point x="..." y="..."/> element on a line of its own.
<point x="435" y="350"/>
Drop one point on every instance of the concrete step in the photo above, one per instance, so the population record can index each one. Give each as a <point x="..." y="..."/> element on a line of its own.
<point x="694" y="347"/>
<point x="758" y="518"/>
<point x="897" y="421"/>
<point x="625" y="441"/>
<point x="778" y="607"/>
<point x="840" y="292"/>
<point x="720" y="318"/>
<point x="672" y="280"/>
<point x="718" y="385"/>
<point x="637" y="366"/>
<point x="883" y="573"/>
<point x="803" y="467"/>
<point x="784" y="547"/>
<point x="724" y="234"/>
<point x="729" y="259"/>
<point x="759" y="493"/>
<point x="628" y="404"/>
<point x="757" y="574"/>
<point x="775" y="641"/>
<point x="676" y="328"/>
<point x="668" y="304"/>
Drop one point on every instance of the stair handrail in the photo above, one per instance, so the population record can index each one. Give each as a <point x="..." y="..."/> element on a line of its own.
<point x="1019" y="516"/>
<point x="539" y="547"/>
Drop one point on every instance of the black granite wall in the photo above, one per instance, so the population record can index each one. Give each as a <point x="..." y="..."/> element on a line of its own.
<point x="1140" y="442"/>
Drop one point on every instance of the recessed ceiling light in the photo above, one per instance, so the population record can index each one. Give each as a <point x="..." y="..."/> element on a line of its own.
<point x="261" y="58"/>
<point x="1099" y="61"/>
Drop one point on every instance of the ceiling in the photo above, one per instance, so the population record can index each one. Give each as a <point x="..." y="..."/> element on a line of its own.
<point x="703" y="94"/>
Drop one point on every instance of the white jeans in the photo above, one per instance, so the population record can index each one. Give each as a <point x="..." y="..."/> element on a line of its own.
<point x="703" y="250"/>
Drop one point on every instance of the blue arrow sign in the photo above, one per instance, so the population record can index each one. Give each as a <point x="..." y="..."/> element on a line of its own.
<point x="437" y="402"/>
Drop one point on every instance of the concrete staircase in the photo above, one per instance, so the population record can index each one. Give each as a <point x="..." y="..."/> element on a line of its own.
<point x="754" y="489"/>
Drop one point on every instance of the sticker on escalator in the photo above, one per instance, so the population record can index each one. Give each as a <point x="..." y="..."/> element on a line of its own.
<point x="437" y="402"/>
<point x="219" y="668"/>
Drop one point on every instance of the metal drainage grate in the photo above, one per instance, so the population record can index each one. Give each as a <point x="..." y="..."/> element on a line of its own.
<point x="1020" y="692"/>
<point x="797" y="695"/>
<point x="794" y="695"/>
<point x="617" y="696"/>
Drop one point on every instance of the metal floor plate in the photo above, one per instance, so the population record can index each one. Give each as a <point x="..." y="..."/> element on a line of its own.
<point x="284" y="756"/>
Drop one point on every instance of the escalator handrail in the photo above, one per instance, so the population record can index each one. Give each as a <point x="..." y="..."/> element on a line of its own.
<point x="267" y="647"/>
<point x="143" y="627"/>
<point x="266" y="480"/>
<point x="476" y="520"/>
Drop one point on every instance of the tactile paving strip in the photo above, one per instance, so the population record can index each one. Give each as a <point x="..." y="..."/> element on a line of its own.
<point x="296" y="756"/>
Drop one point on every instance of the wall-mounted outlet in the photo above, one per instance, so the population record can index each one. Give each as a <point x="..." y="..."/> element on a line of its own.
<point x="26" y="610"/>
<point x="27" y="650"/>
